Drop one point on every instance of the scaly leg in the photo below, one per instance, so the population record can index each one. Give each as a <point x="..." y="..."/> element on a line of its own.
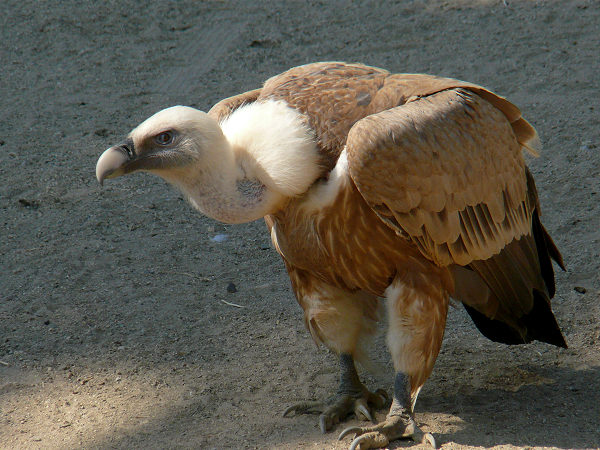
<point x="417" y="308"/>
<point x="352" y="397"/>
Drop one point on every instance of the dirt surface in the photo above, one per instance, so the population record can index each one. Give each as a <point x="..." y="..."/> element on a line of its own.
<point x="117" y="328"/>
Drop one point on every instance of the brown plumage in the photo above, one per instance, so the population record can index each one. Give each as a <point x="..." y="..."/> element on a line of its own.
<point x="409" y="187"/>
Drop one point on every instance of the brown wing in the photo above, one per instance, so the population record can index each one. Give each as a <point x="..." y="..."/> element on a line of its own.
<point x="447" y="172"/>
<point x="225" y="107"/>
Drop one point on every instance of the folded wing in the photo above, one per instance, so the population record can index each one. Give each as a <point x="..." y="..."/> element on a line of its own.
<point x="447" y="172"/>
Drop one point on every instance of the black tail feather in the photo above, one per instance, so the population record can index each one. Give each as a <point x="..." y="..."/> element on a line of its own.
<point x="540" y="325"/>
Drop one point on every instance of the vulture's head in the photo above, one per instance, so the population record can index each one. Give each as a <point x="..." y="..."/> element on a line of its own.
<point x="236" y="171"/>
<point x="170" y="143"/>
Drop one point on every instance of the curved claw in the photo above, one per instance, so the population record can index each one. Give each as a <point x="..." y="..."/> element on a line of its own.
<point x="289" y="409"/>
<point x="303" y="408"/>
<point x="350" y="430"/>
<point x="423" y="438"/>
<point x="323" y="423"/>
<point x="384" y="395"/>
<point x="362" y="409"/>
<point x="356" y="442"/>
<point x="429" y="438"/>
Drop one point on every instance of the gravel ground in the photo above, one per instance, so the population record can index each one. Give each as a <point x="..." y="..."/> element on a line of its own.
<point x="117" y="327"/>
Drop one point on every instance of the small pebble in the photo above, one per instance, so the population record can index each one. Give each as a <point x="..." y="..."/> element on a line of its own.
<point x="220" y="238"/>
<point x="231" y="288"/>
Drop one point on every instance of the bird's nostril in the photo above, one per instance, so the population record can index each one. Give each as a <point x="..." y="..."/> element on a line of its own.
<point x="128" y="150"/>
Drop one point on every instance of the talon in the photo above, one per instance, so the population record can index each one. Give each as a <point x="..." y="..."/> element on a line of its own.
<point x="384" y="395"/>
<point x="378" y="398"/>
<point x="323" y="424"/>
<point x="362" y="409"/>
<point x="326" y="422"/>
<point x="350" y="430"/>
<point x="356" y="442"/>
<point x="289" y="409"/>
<point x="422" y="438"/>
<point x="428" y="437"/>
<point x="304" y="408"/>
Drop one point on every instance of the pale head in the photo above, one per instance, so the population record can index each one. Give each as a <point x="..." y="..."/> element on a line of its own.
<point x="168" y="144"/>
<point x="220" y="176"/>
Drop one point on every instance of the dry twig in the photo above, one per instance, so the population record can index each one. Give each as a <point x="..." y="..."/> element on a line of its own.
<point x="232" y="304"/>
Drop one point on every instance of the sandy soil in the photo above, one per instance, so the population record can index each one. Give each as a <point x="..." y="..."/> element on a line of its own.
<point x="114" y="331"/>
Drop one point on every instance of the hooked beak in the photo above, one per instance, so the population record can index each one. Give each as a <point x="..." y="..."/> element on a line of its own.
<point x="112" y="162"/>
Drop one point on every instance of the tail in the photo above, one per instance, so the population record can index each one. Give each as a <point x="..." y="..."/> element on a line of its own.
<point x="521" y="282"/>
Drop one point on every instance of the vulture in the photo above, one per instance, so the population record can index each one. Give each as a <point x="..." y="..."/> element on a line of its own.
<point x="408" y="187"/>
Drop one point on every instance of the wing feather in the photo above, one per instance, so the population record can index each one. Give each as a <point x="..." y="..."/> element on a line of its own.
<point x="225" y="107"/>
<point x="447" y="172"/>
<point x="449" y="169"/>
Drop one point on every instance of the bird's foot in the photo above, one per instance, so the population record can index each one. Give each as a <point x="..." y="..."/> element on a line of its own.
<point x="395" y="426"/>
<point x="340" y="406"/>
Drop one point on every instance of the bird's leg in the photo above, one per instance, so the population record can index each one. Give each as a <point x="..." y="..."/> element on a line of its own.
<point x="399" y="423"/>
<point x="352" y="397"/>
<point x="417" y="308"/>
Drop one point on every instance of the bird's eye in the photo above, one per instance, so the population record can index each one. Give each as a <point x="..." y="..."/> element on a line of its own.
<point x="164" y="138"/>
